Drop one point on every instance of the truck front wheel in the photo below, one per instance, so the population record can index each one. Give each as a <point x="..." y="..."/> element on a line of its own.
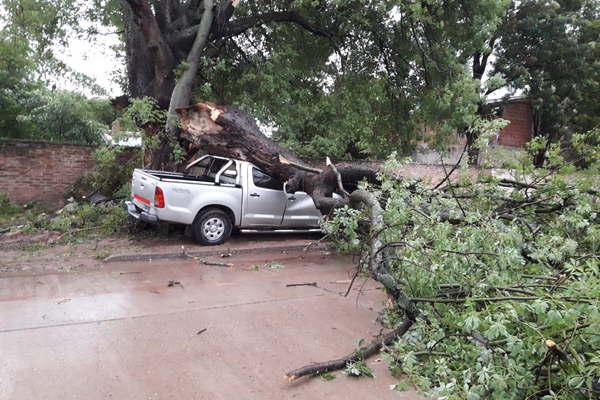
<point x="212" y="226"/>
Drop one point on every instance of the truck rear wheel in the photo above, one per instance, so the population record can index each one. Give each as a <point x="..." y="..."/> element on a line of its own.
<point x="212" y="227"/>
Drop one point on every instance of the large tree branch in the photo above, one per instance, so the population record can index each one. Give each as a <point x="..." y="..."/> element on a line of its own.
<point x="182" y="93"/>
<point x="166" y="11"/>
<point x="241" y="25"/>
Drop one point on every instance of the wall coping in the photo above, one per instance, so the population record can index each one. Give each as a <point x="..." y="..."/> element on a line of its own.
<point x="45" y="142"/>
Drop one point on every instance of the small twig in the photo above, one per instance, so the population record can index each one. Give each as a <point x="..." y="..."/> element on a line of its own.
<point x="352" y="281"/>
<point x="430" y="353"/>
<point x="462" y="210"/>
<point x="216" y="264"/>
<point x="201" y="331"/>
<point x="514" y="290"/>
<point x="302" y="284"/>
<point x="453" y="168"/>
<point x="314" y="243"/>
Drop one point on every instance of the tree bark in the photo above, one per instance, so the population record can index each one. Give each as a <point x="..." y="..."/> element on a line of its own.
<point x="161" y="55"/>
<point x="182" y="93"/>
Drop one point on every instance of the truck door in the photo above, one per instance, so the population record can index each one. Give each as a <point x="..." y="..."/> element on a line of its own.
<point x="265" y="200"/>
<point x="301" y="212"/>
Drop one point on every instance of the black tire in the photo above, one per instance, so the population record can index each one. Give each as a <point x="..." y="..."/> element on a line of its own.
<point x="212" y="226"/>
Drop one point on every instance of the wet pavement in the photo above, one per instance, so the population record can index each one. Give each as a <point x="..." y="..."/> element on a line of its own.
<point x="121" y="332"/>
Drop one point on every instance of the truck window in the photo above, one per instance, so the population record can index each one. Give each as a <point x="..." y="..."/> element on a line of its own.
<point x="208" y="168"/>
<point x="201" y="169"/>
<point x="229" y="175"/>
<point x="263" y="180"/>
<point x="216" y="166"/>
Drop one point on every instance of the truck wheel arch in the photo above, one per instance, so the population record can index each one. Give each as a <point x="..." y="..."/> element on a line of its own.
<point x="226" y="209"/>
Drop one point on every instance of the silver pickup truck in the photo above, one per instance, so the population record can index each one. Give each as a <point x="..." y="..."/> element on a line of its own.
<point x="215" y="195"/>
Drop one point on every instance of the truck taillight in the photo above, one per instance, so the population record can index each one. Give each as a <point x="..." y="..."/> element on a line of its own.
<point x="159" y="198"/>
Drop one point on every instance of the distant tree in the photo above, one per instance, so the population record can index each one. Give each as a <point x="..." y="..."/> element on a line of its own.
<point x="550" y="50"/>
<point x="65" y="116"/>
<point x="16" y="70"/>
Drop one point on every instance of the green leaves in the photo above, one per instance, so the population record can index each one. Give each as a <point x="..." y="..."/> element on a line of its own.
<point x="358" y="369"/>
<point x="519" y="268"/>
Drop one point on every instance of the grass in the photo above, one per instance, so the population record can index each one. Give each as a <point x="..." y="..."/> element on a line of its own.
<point x="13" y="214"/>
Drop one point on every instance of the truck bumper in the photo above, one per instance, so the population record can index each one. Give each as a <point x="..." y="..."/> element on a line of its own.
<point x="141" y="215"/>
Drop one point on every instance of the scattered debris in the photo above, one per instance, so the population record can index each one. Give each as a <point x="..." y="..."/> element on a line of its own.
<point x="216" y="264"/>
<point x="68" y="209"/>
<point x="302" y="284"/>
<point x="224" y="255"/>
<point x="342" y="281"/>
<point x="175" y="283"/>
<point x="274" y="265"/>
<point x="98" y="198"/>
<point x="130" y="272"/>
<point x="326" y="376"/>
<point x="201" y="331"/>
<point x="63" y="301"/>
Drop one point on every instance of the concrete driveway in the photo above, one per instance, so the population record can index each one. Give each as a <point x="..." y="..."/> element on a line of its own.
<point x="121" y="332"/>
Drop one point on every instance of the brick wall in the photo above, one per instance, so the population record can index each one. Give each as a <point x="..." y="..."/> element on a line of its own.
<point x="41" y="171"/>
<point x="519" y="130"/>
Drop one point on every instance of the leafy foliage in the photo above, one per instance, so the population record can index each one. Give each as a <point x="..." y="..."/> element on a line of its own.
<point x="15" y="74"/>
<point x="111" y="174"/>
<point x="506" y="277"/>
<point x="550" y="49"/>
<point x="63" y="116"/>
<point x="358" y="369"/>
<point x="390" y="73"/>
<point x="105" y="219"/>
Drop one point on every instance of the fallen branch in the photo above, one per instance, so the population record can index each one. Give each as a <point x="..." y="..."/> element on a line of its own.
<point x="495" y="299"/>
<point x="302" y="284"/>
<point x="378" y="270"/>
<point x="216" y="264"/>
<point x="338" y="177"/>
<point x="360" y="354"/>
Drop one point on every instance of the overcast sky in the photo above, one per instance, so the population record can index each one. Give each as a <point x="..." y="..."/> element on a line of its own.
<point x="94" y="58"/>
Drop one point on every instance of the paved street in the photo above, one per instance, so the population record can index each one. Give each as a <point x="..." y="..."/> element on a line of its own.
<point x="121" y="332"/>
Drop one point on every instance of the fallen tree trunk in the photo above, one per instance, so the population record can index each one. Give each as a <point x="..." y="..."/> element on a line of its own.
<point x="229" y="132"/>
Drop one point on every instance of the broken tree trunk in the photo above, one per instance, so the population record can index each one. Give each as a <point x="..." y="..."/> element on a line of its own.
<point x="229" y="132"/>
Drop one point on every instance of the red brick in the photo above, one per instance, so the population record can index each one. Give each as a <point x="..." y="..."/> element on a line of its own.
<point x="41" y="171"/>
<point x="520" y="127"/>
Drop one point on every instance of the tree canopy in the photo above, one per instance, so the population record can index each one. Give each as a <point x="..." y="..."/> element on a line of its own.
<point x="348" y="79"/>
<point x="550" y="49"/>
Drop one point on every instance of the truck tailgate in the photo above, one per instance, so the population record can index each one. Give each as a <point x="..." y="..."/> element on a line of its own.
<point x="142" y="189"/>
